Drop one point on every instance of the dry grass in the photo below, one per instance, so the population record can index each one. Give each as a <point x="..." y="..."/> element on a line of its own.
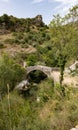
<point x="13" y="49"/>
<point x="6" y="36"/>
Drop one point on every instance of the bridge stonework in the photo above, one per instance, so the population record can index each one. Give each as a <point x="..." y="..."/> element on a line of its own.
<point x="46" y="70"/>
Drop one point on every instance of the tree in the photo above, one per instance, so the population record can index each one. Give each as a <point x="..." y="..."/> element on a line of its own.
<point x="6" y="20"/>
<point x="64" y="38"/>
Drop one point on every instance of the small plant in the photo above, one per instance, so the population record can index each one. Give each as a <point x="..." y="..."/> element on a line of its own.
<point x="10" y="41"/>
<point x="24" y="45"/>
<point x="2" y="45"/>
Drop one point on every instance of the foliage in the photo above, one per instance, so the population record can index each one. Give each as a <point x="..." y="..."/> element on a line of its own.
<point x="46" y="90"/>
<point x="13" y="109"/>
<point x="10" y="73"/>
<point x="64" y="38"/>
<point x="45" y="105"/>
<point x="2" y="45"/>
<point x="20" y="24"/>
<point x="17" y="113"/>
<point x="32" y="59"/>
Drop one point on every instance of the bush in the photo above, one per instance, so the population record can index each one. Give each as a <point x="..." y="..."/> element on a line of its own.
<point x="32" y="59"/>
<point x="46" y="90"/>
<point x="2" y="45"/>
<point x="10" y="41"/>
<point x="14" y="111"/>
<point x="17" y="113"/>
<point x="19" y="36"/>
<point x="24" y="45"/>
<point x="10" y="73"/>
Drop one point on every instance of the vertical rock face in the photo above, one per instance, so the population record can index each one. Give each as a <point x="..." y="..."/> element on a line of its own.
<point x="38" y="20"/>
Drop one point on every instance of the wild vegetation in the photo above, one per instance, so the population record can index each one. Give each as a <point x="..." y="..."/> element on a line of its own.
<point x="45" y="105"/>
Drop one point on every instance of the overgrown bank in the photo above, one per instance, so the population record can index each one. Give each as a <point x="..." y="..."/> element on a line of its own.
<point x="42" y="108"/>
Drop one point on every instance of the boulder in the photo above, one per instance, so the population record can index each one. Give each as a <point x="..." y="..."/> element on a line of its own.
<point x="24" y="85"/>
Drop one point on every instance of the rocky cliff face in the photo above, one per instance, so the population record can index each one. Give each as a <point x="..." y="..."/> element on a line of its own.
<point x="38" y="21"/>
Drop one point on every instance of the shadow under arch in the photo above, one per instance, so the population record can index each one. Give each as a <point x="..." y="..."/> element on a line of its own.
<point x="36" y="76"/>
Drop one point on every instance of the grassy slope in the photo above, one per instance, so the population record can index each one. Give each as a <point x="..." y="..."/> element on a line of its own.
<point x="12" y="49"/>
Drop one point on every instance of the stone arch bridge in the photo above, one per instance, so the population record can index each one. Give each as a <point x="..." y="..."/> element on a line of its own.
<point x="46" y="70"/>
<point x="49" y="71"/>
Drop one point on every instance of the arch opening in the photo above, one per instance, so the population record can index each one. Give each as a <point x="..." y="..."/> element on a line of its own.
<point x="36" y="76"/>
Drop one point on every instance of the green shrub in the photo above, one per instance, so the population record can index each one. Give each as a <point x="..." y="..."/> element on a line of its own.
<point x="32" y="59"/>
<point x="10" y="41"/>
<point x="46" y="90"/>
<point x="14" y="110"/>
<point x="26" y="39"/>
<point x="2" y="45"/>
<point x="14" y="34"/>
<point x="10" y="73"/>
<point x="19" y="36"/>
<point x="34" y="44"/>
<point x="24" y="45"/>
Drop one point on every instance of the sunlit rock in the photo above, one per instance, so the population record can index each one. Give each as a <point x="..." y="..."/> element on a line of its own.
<point x="24" y="85"/>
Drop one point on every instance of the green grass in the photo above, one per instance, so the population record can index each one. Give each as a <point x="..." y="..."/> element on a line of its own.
<point x="53" y="112"/>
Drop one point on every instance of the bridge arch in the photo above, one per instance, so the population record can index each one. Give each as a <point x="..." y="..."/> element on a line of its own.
<point x="46" y="70"/>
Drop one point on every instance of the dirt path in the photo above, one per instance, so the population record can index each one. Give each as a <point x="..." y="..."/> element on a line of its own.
<point x="68" y="79"/>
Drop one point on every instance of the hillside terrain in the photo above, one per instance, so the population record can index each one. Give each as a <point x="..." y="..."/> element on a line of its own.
<point x="48" y="103"/>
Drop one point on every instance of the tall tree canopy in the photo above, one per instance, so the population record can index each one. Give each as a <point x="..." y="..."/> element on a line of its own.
<point x="64" y="37"/>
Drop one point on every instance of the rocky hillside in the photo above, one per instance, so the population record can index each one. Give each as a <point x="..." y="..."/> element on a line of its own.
<point x="11" y="23"/>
